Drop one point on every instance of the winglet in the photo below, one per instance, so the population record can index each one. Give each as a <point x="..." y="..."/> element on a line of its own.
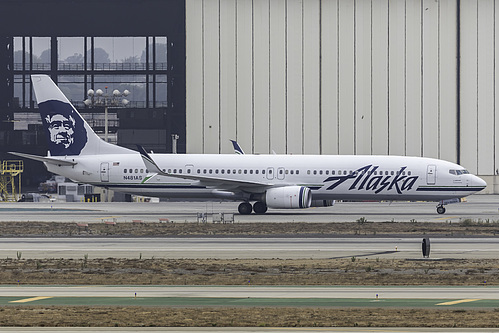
<point x="149" y="162"/>
<point x="237" y="149"/>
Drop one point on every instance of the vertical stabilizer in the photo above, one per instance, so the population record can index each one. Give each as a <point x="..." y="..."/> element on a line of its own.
<point x="67" y="132"/>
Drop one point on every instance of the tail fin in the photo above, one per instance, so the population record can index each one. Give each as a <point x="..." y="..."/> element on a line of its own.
<point x="67" y="132"/>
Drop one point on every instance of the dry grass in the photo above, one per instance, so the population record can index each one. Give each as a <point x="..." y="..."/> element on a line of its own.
<point x="57" y="229"/>
<point x="84" y="316"/>
<point x="351" y="271"/>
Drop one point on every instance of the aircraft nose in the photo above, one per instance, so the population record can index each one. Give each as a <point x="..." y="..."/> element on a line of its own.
<point x="477" y="181"/>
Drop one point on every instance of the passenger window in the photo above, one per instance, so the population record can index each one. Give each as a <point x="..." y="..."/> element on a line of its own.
<point x="256" y="171"/>
<point x="409" y="173"/>
<point x="292" y="171"/>
<point x="263" y="172"/>
<point x="315" y="172"/>
<point x="332" y="172"/>
<point x="130" y="170"/>
<point x="188" y="170"/>
<point x="222" y="171"/>
<point x="245" y="171"/>
<point x="141" y="170"/>
<point x="174" y="170"/>
<point x="297" y="172"/>
<point x="204" y="171"/>
<point x="211" y="171"/>
<point x="251" y="171"/>
<point x="239" y="171"/>
<point x="136" y="170"/>
<point x="320" y="172"/>
<point x="392" y="173"/>
<point x="124" y="170"/>
<point x="308" y="172"/>
<point x="280" y="172"/>
<point x="199" y="171"/>
<point x="179" y="170"/>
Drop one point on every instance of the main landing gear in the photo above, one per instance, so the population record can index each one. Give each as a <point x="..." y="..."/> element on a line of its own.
<point x="258" y="207"/>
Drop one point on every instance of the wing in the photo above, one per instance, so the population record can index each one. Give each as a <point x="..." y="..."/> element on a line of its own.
<point x="211" y="181"/>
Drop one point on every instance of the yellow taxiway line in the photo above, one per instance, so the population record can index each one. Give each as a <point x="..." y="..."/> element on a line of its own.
<point x="26" y="300"/>
<point x="459" y="301"/>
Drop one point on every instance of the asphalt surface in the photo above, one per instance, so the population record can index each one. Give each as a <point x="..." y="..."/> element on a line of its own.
<point x="483" y="207"/>
<point x="248" y="248"/>
<point x="258" y="292"/>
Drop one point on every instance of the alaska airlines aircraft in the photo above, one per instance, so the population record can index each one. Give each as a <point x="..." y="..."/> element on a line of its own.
<point x="270" y="181"/>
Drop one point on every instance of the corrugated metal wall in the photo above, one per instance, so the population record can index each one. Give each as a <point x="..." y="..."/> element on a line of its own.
<point x="344" y="77"/>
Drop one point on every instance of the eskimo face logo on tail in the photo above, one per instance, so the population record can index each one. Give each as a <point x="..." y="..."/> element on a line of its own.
<point x="65" y="129"/>
<point x="367" y="178"/>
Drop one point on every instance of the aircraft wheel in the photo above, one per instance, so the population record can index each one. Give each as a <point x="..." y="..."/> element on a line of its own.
<point x="259" y="207"/>
<point x="245" y="208"/>
<point x="440" y="209"/>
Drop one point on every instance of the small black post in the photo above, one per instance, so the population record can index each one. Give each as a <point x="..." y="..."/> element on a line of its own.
<point x="426" y="247"/>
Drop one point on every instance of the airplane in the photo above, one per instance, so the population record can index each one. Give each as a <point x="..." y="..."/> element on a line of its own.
<point x="259" y="182"/>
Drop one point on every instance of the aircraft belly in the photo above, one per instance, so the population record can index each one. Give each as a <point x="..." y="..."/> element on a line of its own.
<point x="413" y="196"/>
<point x="186" y="192"/>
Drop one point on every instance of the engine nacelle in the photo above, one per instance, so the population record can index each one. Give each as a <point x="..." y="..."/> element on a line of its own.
<point x="322" y="203"/>
<point x="288" y="197"/>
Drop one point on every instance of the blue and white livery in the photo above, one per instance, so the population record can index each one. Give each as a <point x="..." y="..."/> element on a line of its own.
<point x="258" y="181"/>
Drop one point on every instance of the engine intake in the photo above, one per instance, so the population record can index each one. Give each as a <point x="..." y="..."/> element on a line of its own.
<point x="288" y="197"/>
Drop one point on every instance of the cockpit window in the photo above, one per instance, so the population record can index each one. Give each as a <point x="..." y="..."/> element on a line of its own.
<point x="459" y="172"/>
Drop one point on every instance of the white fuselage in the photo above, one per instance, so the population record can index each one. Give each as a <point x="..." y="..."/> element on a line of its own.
<point x="330" y="177"/>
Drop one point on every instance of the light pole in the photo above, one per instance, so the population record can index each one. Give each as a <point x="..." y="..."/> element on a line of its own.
<point x="101" y="98"/>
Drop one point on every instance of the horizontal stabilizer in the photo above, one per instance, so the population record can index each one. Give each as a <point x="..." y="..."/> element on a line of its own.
<point x="45" y="159"/>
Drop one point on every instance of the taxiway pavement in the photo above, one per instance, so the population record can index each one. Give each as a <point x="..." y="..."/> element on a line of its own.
<point x="248" y="248"/>
<point x="477" y="207"/>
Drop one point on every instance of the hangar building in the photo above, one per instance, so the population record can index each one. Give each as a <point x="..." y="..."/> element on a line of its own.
<point x="291" y="76"/>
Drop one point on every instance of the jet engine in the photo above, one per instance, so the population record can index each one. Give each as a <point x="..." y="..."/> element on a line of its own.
<point x="288" y="197"/>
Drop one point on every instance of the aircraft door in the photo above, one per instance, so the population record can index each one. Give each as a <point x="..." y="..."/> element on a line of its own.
<point x="104" y="172"/>
<point x="431" y="175"/>
<point x="280" y="173"/>
<point x="270" y="173"/>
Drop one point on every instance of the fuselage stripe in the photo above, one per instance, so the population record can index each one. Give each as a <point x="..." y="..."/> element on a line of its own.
<point x="447" y="189"/>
